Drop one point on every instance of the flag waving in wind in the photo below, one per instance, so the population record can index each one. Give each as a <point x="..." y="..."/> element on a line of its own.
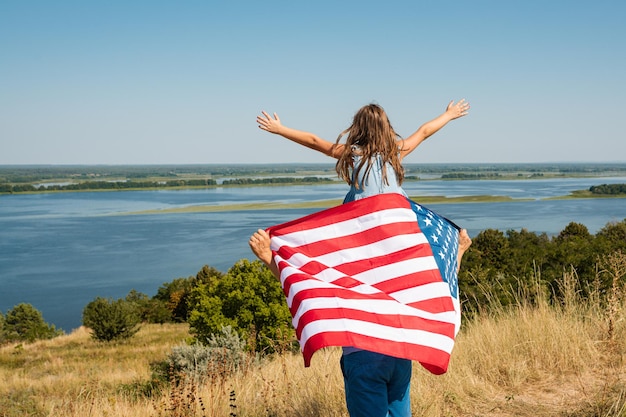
<point x="378" y="274"/>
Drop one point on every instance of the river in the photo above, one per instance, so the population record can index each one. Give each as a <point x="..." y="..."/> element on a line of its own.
<point x="58" y="251"/>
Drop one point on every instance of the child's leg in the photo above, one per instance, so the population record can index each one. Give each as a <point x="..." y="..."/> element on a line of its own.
<point x="376" y="385"/>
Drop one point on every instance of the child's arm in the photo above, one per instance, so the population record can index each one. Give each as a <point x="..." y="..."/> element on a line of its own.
<point x="311" y="141"/>
<point x="453" y="111"/>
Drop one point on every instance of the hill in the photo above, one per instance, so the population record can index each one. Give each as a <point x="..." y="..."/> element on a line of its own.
<point x="530" y="360"/>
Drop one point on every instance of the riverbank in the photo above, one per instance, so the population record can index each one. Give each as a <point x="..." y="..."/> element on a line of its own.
<point x="425" y="200"/>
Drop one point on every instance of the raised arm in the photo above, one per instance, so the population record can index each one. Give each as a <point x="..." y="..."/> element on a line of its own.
<point x="453" y="111"/>
<point x="310" y="140"/>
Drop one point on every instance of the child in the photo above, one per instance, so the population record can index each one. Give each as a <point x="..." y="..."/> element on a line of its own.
<point x="369" y="161"/>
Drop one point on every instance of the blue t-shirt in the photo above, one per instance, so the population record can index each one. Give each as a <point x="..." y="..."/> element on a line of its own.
<point x="373" y="184"/>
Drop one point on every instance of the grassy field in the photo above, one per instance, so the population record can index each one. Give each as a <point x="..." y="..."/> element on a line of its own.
<point x="530" y="361"/>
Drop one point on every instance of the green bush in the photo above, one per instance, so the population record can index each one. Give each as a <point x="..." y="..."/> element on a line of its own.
<point x="2" y="335"/>
<point x="111" y="319"/>
<point x="150" y="310"/>
<point x="25" y="323"/>
<point x="248" y="298"/>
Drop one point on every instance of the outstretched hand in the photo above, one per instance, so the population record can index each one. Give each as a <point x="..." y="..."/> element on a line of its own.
<point x="260" y="244"/>
<point x="461" y="108"/>
<point x="266" y="122"/>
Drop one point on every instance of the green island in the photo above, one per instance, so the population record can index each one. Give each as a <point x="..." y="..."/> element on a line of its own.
<point x="322" y="204"/>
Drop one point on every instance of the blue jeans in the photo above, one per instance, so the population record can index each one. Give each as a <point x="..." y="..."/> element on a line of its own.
<point x="376" y="385"/>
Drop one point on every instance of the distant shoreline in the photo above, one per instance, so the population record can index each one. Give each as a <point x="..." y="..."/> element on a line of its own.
<point x="36" y="179"/>
<point x="295" y="183"/>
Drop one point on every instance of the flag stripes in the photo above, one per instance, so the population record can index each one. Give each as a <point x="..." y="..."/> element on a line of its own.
<point x="364" y="274"/>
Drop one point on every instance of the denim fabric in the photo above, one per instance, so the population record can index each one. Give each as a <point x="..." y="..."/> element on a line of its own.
<point x="376" y="385"/>
<point x="373" y="184"/>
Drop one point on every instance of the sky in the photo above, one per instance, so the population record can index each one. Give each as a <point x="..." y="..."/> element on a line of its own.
<point x="181" y="82"/>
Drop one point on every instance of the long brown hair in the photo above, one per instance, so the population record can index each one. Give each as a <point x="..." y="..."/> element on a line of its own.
<point x="372" y="134"/>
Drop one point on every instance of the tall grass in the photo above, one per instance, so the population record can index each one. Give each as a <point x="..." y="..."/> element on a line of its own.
<point x="533" y="359"/>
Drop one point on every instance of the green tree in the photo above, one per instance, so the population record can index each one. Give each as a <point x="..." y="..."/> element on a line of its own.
<point x="2" y="334"/>
<point x="612" y="237"/>
<point x="573" y="248"/>
<point x="484" y="275"/>
<point x="175" y="294"/>
<point x="111" y="320"/>
<point x="25" y="323"/>
<point x="250" y="300"/>
<point x="150" y="310"/>
<point x="528" y="251"/>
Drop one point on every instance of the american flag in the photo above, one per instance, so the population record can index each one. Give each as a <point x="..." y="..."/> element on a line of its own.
<point x="378" y="274"/>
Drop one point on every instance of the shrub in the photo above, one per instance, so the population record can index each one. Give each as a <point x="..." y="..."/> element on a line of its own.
<point x="2" y="335"/>
<point x="250" y="300"/>
<point x="111" y="320"/>
<point x="223" y="355"/>
<point x="25" y="323"/>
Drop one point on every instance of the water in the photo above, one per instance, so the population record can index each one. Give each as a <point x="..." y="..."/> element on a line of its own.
<point x="60" y="251"/>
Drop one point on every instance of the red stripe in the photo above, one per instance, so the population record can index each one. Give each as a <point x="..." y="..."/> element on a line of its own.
<point x="409" y="281"/>
<point x="435" y="360"/>
<point x="355" y="240"/>
<point x="434" y="305"/>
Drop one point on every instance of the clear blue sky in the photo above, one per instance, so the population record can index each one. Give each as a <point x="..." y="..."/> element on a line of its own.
<point x="153" y="82"/>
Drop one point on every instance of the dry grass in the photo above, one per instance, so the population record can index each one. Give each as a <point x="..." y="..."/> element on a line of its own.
<point x="529" y="361"/>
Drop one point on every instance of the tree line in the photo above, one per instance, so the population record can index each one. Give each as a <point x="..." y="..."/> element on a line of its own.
<point x="276" y="180"/>
<point x="131" y="185"/>
<point x="105" y="185"/>
<point x="500" y="265"/>
<point x="608" y="189"/>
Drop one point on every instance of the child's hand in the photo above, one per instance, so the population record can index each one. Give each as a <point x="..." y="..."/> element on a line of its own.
<point x="459" y="109"/>
<point x="267" y="123"/>
<point x="260" y="244"/>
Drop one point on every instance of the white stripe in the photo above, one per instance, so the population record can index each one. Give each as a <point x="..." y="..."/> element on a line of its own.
<point x="416" y="337"/>
<point x="397" y="269"/>
<point x="370" y="306"/>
